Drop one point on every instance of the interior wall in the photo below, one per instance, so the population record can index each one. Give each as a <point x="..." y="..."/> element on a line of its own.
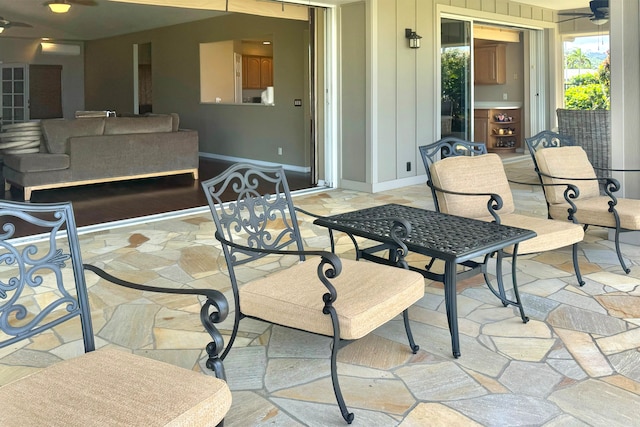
<point x="248" y="131"/>
<point x="27" y="51"/>
<point x="514" y="86"/>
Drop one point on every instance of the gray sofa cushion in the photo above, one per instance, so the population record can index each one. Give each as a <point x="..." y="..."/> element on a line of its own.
<point x="58" y="131"/>
<point x="134" y="125"/>
<point x="37" y="162"/>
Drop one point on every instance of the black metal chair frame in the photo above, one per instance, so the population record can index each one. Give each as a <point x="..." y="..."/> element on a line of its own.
<point x="610" y="185"/>
<point x="244" y="180"/>
<point x="454" y="147"/>
<point x="57" y="220"/>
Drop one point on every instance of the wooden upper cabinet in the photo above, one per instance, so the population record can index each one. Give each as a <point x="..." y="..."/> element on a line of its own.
<point x="266" y="72"/>
<point x="257" y="72"/>
<point x="490" y="64"/>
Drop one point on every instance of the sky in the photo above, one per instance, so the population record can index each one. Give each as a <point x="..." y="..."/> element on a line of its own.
<point x="589" y="44"/>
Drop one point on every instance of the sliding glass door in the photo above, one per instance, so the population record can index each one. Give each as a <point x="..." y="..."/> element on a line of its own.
<point x="456" y="79"/>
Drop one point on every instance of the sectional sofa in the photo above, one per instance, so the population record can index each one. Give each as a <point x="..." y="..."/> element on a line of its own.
<point x="94" y="150"/>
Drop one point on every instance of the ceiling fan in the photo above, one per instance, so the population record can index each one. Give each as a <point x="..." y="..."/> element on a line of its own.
<point x="599" y="13"/>
<point x="63" y="6"/>
<point x="5" y="23"/>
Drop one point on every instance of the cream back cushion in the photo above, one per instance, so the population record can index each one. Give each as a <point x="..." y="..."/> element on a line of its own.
<point x="471" y="174"/>
<point x="570" y="162"/>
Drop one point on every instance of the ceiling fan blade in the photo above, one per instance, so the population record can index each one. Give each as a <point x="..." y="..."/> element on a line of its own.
<point x="19" y="24"/>
<point x="576" y="14"/>
<point x="83" y="2"/>
<point x="572" y="19"/>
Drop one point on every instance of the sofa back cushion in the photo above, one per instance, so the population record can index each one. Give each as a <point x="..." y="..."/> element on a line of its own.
<point x="57" y="132"/>
<point x="129" y="125"/>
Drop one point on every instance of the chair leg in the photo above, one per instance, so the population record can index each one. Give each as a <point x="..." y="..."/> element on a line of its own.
<point x="576" y="266"/>
<point x="622" y="263"/>
<point x="348" y="416"/>
<point x="516" y="294"/>
<point x="407" y="327"/>
<point x="500" y="293"/>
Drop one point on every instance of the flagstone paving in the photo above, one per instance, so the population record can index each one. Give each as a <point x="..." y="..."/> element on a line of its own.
<point x="576" y="362"/>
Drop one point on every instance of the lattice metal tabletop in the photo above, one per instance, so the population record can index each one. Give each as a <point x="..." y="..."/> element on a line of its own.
<point x="443" y="236"/>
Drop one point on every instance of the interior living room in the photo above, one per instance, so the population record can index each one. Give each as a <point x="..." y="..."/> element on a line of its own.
<point x="342" y="97"/>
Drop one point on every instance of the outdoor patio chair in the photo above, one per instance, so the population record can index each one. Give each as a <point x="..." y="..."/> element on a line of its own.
<point x="43" y="286"/>
<point x="323" y="294"/>
<point x="567" y="163"/>
<point x="477" y="187"/>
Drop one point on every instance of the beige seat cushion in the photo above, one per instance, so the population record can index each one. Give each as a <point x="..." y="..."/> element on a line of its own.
<point x="471" y="174"/>
<point x="595" y="211"/>
<point x="551" y="234"/>
<point x="109" y="387"/>
<point x="369" y="295"/>
<point x="570" y="162"/>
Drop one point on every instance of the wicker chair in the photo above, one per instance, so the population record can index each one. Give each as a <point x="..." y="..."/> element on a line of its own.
<point x="590" y="129"/>
<point x="477" y="187"/>
<point x="39" y="292"/>
<point x="326" y="295"/>
<point x="560" y="164"/>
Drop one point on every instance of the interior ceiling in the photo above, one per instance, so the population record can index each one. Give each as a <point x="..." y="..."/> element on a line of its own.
<point x="115" y="17"/>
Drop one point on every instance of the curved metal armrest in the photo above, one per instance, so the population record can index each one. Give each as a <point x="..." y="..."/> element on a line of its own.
<point x="611" y="185"/>
<point x="615" y="170"/>
<point x="494" y="203"/>
<point x="215" y="299"/>
<point x="297" y="209"/>
<point x="400" y="229"/>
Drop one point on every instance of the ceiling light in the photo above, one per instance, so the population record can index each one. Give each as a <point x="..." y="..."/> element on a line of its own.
<point x="599" y="21"/>
<point x="59" y="6"/>
<point x="1" y="29"/>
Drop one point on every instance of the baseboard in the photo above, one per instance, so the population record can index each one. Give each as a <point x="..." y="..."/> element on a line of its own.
<point x="292" y="168"/>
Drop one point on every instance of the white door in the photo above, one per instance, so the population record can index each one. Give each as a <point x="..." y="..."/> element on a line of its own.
<point x="14" y="93"/>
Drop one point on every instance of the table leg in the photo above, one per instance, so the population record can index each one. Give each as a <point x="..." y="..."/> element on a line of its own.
<point x="450" y="296"/>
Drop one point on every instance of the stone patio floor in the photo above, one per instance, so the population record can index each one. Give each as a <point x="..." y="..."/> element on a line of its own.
<point x="576" y="363"/>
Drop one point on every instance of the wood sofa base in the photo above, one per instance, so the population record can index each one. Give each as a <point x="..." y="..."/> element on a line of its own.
<point x="29" y="190"/>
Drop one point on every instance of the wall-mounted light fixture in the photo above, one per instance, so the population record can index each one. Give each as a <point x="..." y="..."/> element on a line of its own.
<point x="414" y="38"/>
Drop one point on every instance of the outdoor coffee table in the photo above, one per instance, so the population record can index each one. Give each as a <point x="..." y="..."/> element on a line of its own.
<point x="452" y="239"/>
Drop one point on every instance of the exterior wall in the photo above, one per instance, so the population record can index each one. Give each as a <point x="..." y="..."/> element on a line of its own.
<point x="244" y="131"/>
<point x="355" y="149"/>
<point x="27" y="51"/>
<point x="402" y="84"/>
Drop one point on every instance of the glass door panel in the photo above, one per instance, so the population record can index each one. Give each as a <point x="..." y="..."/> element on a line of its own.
<point x="456" y="78"/>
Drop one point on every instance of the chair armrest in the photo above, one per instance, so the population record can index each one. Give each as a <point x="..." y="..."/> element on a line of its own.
<point x="215" y="299"/>
<point x="615" y="170"/>
<point x="494" y="203"/>
<point x="333" y="261"/>
<point x="400" y="229"/>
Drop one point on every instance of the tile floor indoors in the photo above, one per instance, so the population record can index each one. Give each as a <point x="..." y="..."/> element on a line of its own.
<point x="576" y="362"/>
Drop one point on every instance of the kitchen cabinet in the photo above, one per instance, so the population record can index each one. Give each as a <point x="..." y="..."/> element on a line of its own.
<point x="490" y="64"/>
<point x="499" y="128"/>
<point x="257" y="72"/>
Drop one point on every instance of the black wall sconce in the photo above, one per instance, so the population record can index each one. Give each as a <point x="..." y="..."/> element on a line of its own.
<point x="414" y="38"/>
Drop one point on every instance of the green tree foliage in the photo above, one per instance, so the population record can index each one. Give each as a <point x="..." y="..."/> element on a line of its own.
<point x="590" y="91"/>
<point x="455" y="62"/>
<point x="576" y="59"/>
